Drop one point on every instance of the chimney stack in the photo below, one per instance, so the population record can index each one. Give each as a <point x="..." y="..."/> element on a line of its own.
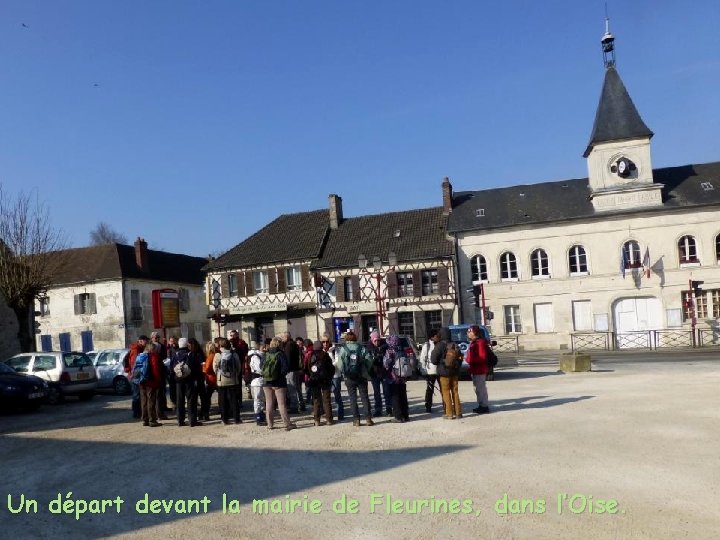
<point x="336" y="214"/>
<point x="141" y="255"/>
<point x="447" y="196"/>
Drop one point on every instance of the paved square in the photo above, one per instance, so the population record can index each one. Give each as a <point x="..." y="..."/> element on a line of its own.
<point x="642" y="434"/>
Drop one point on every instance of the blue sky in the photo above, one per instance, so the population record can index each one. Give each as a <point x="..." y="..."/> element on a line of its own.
<point x="193" y="124"/>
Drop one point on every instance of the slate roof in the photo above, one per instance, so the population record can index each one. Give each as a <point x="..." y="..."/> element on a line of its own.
<point x="616" y="118"/>
<point x="422" y="235"/>
<point x="549" y="202"/>
<point x="117" y="261"/>
<point x="290" y="237"/>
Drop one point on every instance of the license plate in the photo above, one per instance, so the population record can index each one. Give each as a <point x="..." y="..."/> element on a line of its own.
<point x="35" y="395"/>
<point x="83" y="376"/>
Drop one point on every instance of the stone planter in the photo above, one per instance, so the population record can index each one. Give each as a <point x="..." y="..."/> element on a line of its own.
<point x="574" y="362"/>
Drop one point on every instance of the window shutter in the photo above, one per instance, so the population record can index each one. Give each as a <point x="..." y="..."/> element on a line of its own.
<point x="240" y="278"/>
<point x="91" y="303"/>
<point x="392" y="319"/>
<point x="273" y="279"/>
<point x="249" y="284"/>
<point x="443" y="281"/>
<point x="78" y="304"/>
<point x="305" y="271"/>
<point x="355" y="288"/>
<point x="340" y="288"/>
<point x="357" y="327"/>
<point x="329" y="328"/>
<point x="417" y="283"/>
<point x="281" y="280"/>
<point x="224" y="286"/>
<point x="392" y="285"/>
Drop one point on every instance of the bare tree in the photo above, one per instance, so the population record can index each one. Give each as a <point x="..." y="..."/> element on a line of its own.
<point x="105" y="234"/>
<point x="29" y="258"/>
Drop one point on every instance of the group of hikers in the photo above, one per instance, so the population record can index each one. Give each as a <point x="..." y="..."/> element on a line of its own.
<point x="273" y="374"/>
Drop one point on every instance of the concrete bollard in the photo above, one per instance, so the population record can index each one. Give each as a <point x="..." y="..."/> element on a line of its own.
<point x="574" y="362"/>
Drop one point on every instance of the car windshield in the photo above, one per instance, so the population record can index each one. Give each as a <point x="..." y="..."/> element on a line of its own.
<point x="76" y="360"/>
<point x="4" y="368"/>
<point x="458" y="334"/>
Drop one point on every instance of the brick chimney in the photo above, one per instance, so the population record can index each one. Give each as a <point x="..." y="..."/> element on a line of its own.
<point x="336" y="215"/>
<point x="141" y="255"/>
<point x="447" y="196"/>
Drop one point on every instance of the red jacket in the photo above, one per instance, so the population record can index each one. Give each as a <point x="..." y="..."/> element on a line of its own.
<point x="135" y="349"/>
<point x="476" y="357"/>
<point x="156" y="371"/>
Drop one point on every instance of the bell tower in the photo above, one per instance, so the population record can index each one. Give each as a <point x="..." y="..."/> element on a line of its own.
<point x="618" y="154"/>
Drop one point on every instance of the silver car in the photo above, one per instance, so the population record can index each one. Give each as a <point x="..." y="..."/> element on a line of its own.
<point x="110" y="367"/>
<point x="67" y="373"/>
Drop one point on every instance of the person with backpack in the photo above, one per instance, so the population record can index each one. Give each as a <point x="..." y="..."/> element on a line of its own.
<point x="398" y="368"/>
<point x="255" y="358"/>
<point x="136" y="349"/>
<point x="186" y="366"/>
<point x="293" y="354"/>
<point x="319" y="372"/>
<point x="355" y="365"/>
<point x="274" y="372"/>
<point x="148" y="374"/>
<point x="477" y="359"/>
<point x="240" y="348"/>
<point x="377" y="347"/>
<point x="447" y="358"/>
<point x="329" y="348"/>
<point x="227" y="367"/>
<point x="210" y="380"/>
<point x="430" y="370"/>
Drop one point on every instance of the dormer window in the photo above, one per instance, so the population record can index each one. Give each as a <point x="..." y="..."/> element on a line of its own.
<point x="707" y="186"/>
<point x="480" y="212"/>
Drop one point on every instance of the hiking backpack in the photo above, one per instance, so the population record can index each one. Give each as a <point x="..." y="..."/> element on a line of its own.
<point x="317" y="374"/>
<point x="352" y="366"/>
<point x="227" y="366"/>
<point x="402" y="368"/>
<point x="452" y="355"/>
<point x="141" y="370"/>
<point x="271" y="366"/>
<point x="182" y="368"/>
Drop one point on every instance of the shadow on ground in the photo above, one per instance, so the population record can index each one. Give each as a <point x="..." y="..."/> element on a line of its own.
<point x="42" y="469"/>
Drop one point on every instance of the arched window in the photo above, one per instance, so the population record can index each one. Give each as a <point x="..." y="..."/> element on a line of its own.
<point x="687" y="250"/>
<point x="508" y="266"/>
<point x="577" y="261"/>
<point x="631" y="254"/>
<point x="539" y="263"/>
<point x="478" y="268"/>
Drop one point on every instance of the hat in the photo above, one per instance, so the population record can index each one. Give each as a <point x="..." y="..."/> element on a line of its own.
<point x="182" y="343"/>
<point x="374" y="334"/>
<point x="143" y="337"/>
<point x="317" y="346"/>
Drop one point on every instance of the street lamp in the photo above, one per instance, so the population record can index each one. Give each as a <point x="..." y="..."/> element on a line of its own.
<point x="377" y="275"/>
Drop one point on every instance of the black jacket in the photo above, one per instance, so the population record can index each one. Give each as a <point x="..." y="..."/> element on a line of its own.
<point x="292" y="352"/>
<point x="437" y="356"/>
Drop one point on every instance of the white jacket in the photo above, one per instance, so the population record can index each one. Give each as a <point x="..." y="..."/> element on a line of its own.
<point x="256" y="360"/>
<point x="430" y="368"/>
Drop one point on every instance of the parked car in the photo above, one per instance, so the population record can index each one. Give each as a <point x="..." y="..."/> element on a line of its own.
<point x="20" y="391"/>
<point x="91" y="355"/>
<point x="67" y="373"/>
<point x="110" y="367"/>
<point x="458" y="334"/>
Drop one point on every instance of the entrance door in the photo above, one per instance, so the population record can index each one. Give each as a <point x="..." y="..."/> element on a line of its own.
<point x="369" y="323"/>
<point x="634" y="318"/>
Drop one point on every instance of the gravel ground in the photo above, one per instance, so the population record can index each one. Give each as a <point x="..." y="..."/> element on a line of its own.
<point x="626" y="451"/>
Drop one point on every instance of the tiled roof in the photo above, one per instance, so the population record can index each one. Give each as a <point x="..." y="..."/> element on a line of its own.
<point x="547" y="202"/>
<point x="616" y="118"/>
<point x="117" y="261"/>
<point x="290" y="237"/>
<point x="412" y="235"/>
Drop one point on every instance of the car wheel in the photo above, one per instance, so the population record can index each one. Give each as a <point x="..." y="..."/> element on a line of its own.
<point x="86" y="396"/>
<point x="121" y="386"/>
<point x="55" y="395"/>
